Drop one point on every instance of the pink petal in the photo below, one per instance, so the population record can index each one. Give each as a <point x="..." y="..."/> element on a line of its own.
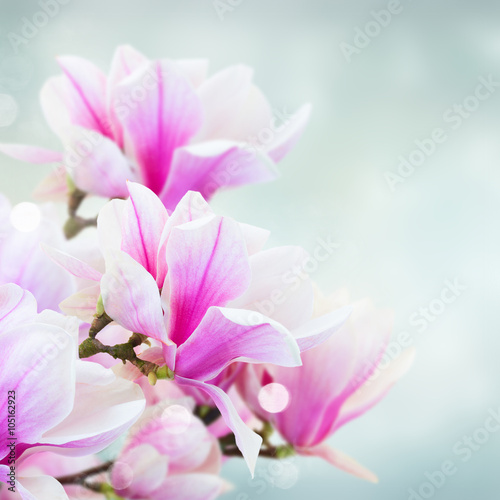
<point x="145" y="218"/>
<point x="191" y="207"/>
<point x="253" y="121"/>
<point x="369" y="394"/>
<point x="125" y="61"/>
<point x="109" y="225"/>
<point x="255" y="237"/>
<point x="53" y="187"/>
<point x="82" y="304"/>
<point x="31" y="154"/>
<point x="41" y="488"/>
<point x="16" y="305"/>
<point x="209" y="166"/>
<point x="131" y="297"/>
<point x="275" y="291"/>
<point x="73" y="265"/>
<point x="149" y="471"/>
<point x="247" y="441"/>
<point x="105" y="407"/>
<point x="190" y="487"/>
<point x="37" y="362"/>
<point x="168" y="114"/>
<point x="286" y="139"/>
<point x="223" y="95"/>
<point x="340" y="460"/>
<point x="318" y="330"/>
<point x="226" y="335"/>
<point x="97" y="165"/>
<point x="86" y="94"/>
<point x="195" y="70"/>
<point x="208" y="266"/>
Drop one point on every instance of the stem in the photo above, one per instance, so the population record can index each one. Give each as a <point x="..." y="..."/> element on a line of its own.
<point x="99" y="323"/>
<point x="207" y="414"/>
<point x="75" y="224"/>
<point x="81" y="477"/>
<point x="277" y="452"/>
<point x="125" y="352"/>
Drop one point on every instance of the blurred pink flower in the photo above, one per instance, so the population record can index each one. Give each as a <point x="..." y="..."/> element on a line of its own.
<point x="169" y="455"/>
<point x="60" y="403"/>
<point x="162" y="123"/>
<point x="338" y="381"/>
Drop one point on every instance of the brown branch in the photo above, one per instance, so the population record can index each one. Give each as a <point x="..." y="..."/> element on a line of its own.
<point x="81" y="477"/>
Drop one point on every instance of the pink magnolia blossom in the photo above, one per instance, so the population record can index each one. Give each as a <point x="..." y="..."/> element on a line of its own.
<point x="162" y="123"/>
<point x="338" y="381"/>
<point x="169" y="455"/>
<point x="60" y="404"/>
<point x="23" y="262"/>
<point x="177" y="280"/>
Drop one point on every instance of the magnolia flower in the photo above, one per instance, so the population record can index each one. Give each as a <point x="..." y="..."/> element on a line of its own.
<point x="162" y="123"/>
<point x="50" y="399"/>
<point x="177" y="279"/>
<point x="169" y="455"/>
<point x="23" y="262"/>
<point x="338" y="381"/>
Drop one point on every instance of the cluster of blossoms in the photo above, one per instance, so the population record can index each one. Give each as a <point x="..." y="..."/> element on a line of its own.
<point x="135" y="356"/>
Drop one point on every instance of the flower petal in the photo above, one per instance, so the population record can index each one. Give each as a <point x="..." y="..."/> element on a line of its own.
<point x="318" y="330"/>
<point x="223" y="96"/>
<point x="168" y="114"/>
<point x="86" y="94"/>
<point x="208" y="266"/>
<point x="275" y="291"/>
<point x="31" y="154"/>
<point x="73" y="265"/>
<point x="105" y="407"/>
<point x="125" y="61"/>
<point x="289" y="134"/>
<point x="190" y="487"/>
<point x="130" y="296"/>
<point x="109" y="225"/>
<point x="209" y="166"/>
<point x="191" y="207"/>
<point x="41" y="488"/>
<point x="247" y="441"/>
<point x="375" y="389"/>
<point x="16" y="305"/>
<point x="340" y="460"/>
<point x="53" y="187"/>
<point x="37" y="362"/>
<point x="145" y="218"/>
<point x="82" y="304"/>
<point x="96" y="164"/>
<point x="226" y="335"/>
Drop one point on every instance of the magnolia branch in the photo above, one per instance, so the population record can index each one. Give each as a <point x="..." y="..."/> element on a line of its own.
<point x="75" y="223"/>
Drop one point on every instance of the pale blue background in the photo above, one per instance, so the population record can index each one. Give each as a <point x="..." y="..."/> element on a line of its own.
<point x="398" y="248"/>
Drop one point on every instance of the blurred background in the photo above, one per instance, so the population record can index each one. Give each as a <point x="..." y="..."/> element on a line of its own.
<point x="376" y="90"/>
